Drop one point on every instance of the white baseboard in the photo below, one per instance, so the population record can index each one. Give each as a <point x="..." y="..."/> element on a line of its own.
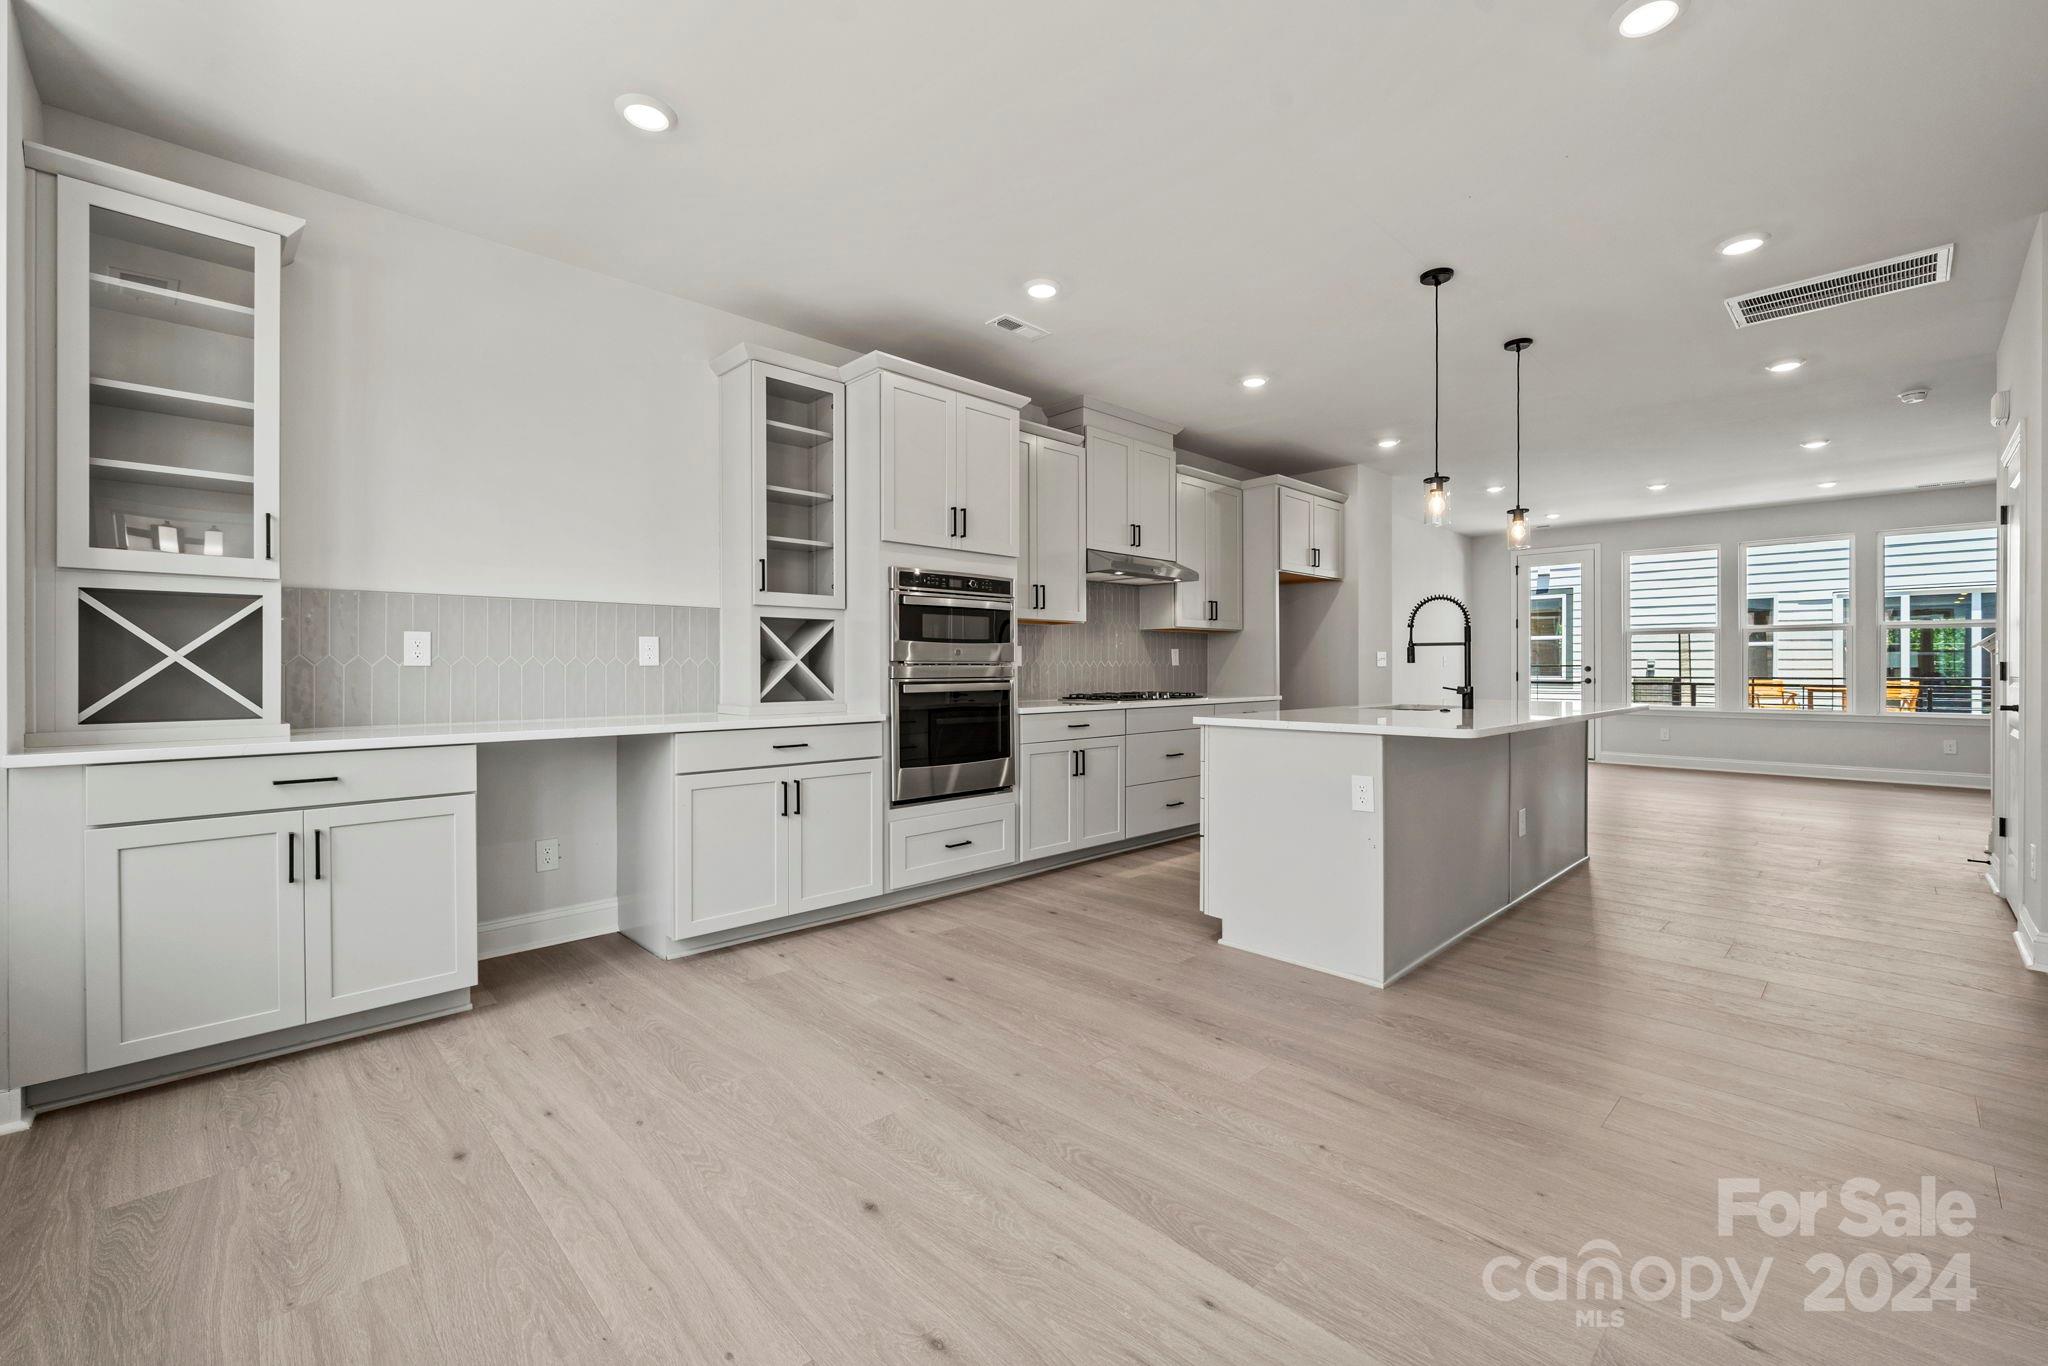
<point x="1847" y="773"/>
<point x="14" y="1117"/>
<point x="2033" y="944"/>
<point x="538" y="929"/>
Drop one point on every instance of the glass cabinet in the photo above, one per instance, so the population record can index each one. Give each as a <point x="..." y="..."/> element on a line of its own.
<point x="167" y="388"/>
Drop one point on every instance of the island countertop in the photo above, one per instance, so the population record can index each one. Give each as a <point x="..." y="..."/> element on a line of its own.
<point x="1489" y="716"/>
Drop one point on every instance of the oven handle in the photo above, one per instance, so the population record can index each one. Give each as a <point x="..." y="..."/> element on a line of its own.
<point x="992" y="600"/>
<point x="1004" y="686"/>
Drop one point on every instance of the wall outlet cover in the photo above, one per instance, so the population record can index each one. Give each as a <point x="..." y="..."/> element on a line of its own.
<point x="547" y="855"/>
<point x="650" y="649"/>
<point x="1383" y="659"/>
<point x="1173" y="656"/>
<point x="1663" y="732"/>
<point x="1522" y="822"/>
<point x="419" y="648"/>
<point x="1948" y="747"/>
<point x="1361" y="792"/>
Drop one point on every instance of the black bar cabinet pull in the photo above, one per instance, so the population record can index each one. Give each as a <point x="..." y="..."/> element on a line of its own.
<point x="291" y="856"/>
<point x="794" y="744"/>
<point x="298" y="782"/>
<point x="316" y="856"/>
<point x="963" y="523"/>
<point x="1074" y="764"/>
<point x="2009" y="706"/>
<point x="269" y="540"/>
<point x="959" y="844"/>
<point x="1178" y="754"/>
<point x="1082" y="754"/>
<point x="784" y="785"/>
<point x="764" y="576"/>
<point x="1079" y="725"/>
<point x="1171" y="805"/>
<point x="799" y="796"/>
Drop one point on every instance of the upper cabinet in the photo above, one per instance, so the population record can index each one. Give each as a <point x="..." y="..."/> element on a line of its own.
<point x="1210" y="514"/>
<point x="1311" y="534"/>
<point x="166" y="385"/>
<point x="1053" y="581"/>
<point x="795" y="486"/>
<point x="1130" y="487"/>
<point x="951" y="473"/>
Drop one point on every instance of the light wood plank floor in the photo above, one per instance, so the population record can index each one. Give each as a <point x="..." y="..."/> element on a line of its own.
<point x="1054" y="1122"/>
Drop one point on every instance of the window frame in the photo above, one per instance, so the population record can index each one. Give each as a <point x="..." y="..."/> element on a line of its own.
<point x="1744" y="629"/>
<point x="1886" y="623"/>
<point x="1715" y="632"/>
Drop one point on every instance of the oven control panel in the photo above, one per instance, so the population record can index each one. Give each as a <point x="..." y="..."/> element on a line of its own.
<point x="937" y="581"/>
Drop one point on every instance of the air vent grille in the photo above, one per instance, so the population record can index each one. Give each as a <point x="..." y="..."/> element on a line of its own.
<point x="1911" y="271"/>
<point x="1017" y="327"/>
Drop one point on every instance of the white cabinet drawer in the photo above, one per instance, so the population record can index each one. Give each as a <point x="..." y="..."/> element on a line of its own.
<point x="1153" y="807"/>
<point x="119" y="794"/>
<point x="1145" y="719"/>
<point x="717" y="751"/>
<point x="1078" y="724"/>
<point x="951" y="843"/>
<point x="1162" y="755"/>
<point x="1246" y="709"/>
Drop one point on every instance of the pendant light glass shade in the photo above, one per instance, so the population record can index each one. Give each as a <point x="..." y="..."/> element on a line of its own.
<point x="1436" y="496"/>
<point x="1518" y="516"/>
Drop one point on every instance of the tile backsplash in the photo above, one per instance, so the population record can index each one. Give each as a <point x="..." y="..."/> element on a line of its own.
<point x="1108" y="653"/>
<point x="495" y="659"/>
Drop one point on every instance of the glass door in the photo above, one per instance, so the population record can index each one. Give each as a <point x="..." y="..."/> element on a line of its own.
<point x="1556" y="640"/>
<point x="167" y="382"/>
<point x="2009" y="750"/>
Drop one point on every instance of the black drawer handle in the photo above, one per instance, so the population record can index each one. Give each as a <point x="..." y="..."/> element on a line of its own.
<point x="296" y="782"/>
<point x="1079" y="725"/>
<point x="959" y="844"/>
<point x="800" y="744"/>
<point x="1171" y="805"/>
<point x="1178" y="754"/>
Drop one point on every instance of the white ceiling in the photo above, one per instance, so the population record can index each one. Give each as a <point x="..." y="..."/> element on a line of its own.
<point x="1221" y="189"/>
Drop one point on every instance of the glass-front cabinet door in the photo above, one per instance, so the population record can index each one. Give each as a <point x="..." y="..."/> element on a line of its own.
<point x="167" y="387"/>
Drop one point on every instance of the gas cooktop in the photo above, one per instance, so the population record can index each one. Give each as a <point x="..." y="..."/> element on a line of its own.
<point x="1128" y="696"/>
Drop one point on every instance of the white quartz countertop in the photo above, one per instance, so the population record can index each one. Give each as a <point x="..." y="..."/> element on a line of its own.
<point x="417" y="737"/>
<point x="1489" y="716"/>
<point x="1027" y="708"/>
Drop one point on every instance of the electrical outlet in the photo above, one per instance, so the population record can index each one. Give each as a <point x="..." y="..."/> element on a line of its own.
<point x="1522" y="823"/>
<point x="1383" y="659"/>
<point x="547" y="855"/>
<point x="1361" y="792"/>
<point x="2033" y="863"/>
<point x="650" y="649"/>
<point x="419" y="648"/>
<point x="1948" y="747"/>
<point x="1173" y="656"/>
<point x="1663" y="732"/>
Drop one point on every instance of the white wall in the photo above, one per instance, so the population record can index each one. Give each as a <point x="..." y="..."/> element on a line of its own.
<point x="1427" y="560"/>
<point x="1875" y="747"/>
<point x="2023" y="368"/>
<point x="463" y="417"/>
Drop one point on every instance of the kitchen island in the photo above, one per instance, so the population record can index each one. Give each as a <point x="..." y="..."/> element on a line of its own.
<point x="1362" y="841"/>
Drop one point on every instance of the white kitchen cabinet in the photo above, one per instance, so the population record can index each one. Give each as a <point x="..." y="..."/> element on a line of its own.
<point x="1210" y="540"/>
<point x="1130" y="495"/>
<point x="1071" y="796"/>
<point x="796" y="485"/>
<point x="1055" y="530"/>
<point x="764" y="843"/>
<point x="1311" y="535"/>
<point x="194" y="934"/>
<point x="390" y="892"/>
<point x="951" y="476"/>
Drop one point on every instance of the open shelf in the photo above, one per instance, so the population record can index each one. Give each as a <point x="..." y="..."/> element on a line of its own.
<point x="800" y="542"/>
<point x="783" y="493"/>
<point x="173" y="476"/>
<point x="149" y="398"/>
<point x="172" y="305"/>
<point x="797" y="659"/>
<point x="790" y="434"/>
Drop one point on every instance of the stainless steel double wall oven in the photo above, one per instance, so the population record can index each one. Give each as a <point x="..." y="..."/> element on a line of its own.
<point x="953" y="683"/>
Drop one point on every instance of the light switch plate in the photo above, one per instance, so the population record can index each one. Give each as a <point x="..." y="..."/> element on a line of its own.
<point x="1361" y="792"/>
<point x="419" y="648"/>
<point x="1173" y="656"/>
<point x="650" y="649"/>
<point x="1522" y="823"/>
<point x="1383" y="659"/>
<point x="547" y="855"/>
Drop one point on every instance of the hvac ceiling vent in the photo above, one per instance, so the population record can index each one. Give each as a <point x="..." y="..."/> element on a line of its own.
<point x="1914" y="269"/>
<point x="1017" y="327"/>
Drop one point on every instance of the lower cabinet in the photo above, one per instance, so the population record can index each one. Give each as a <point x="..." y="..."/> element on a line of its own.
<point x="932" y="845"/>
<point x="761" y="843"/>
<point x="202" y="931"/>
<point x="1072" y="795"/>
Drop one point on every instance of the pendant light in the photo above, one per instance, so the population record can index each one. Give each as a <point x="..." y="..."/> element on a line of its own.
<point x="1518" y="516"/>
<point x="1436" y="498"/>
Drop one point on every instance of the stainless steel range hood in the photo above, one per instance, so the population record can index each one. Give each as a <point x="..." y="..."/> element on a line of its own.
<point x="1113" y="566"/>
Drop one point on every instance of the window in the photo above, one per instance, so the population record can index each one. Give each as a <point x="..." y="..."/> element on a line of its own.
<point x="1555" y="647"/>
<point x="1940" y="611"/>
<point x="1674" y="615"/>
<point x="1795" y="644"/>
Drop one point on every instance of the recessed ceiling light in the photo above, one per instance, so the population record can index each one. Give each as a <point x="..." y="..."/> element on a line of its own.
<point x="1042" y="288"/>
<point x="645" y="112"/>
<point x="1253" y="381"/>
<point x="1913" y="396"/>
<point x="1496" y="488"/>
<point x="1552" y="516"/>
<point x="1785" y="366"/>
<point x="1743" y="243"/>
<point x="1819" y="443"/>
<point x="1388" y="443"/>
<point x="1825" y="484"/>
<point x="1641" y="18"/>
<point x="1656" y="488"/>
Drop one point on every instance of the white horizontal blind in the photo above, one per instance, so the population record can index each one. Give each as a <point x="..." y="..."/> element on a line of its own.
<point x="1927" y="571"/>
<point x="1674" y="612"/>
<point x="1796" y="602"/>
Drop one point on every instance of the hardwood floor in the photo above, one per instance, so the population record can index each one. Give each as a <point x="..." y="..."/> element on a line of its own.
<point x="1054" y="1122"/>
